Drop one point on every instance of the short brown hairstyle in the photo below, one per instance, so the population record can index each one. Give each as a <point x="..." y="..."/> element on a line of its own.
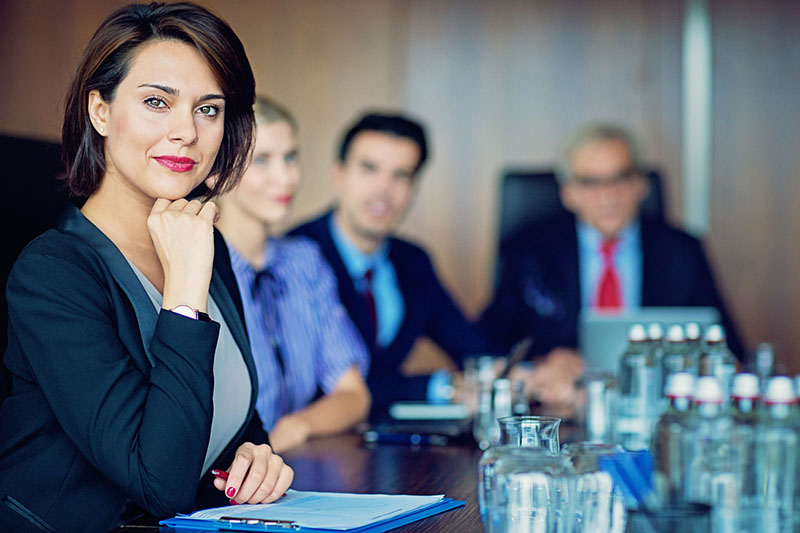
<point x="106" y="61"/>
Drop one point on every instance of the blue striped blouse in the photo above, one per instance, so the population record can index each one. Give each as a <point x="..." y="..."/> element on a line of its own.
<point x="301" y="335"/>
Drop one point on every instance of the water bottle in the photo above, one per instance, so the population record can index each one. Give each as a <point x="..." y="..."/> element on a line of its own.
<point x="717" y="360"/>
<point x="694" y="342"/>
<point x="655" y="336"/>
<point x="668" y="437"/>
<point x="501" y="407"/>
<point x="763" y="364"/>
<point x="639" y="393"/>
<point x="747" y="422"/>
<point x="710" y="454"/>
<point x="777" y="460"/>
<point x="484" y="420"/>
<point x="694" y="335"/>
<point x="599" y="408"/>
<point x="797" y="388"/>
<point x="519" y="400"/>
<point x="675" y="356"/>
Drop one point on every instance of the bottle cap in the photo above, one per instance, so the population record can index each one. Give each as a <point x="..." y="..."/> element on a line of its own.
<point x="715" y="333"/>
<point x="637" y="333"/>
<point x="708" y="390"/>
<point x="692" y="331"/>
<point x="655" y="331"/>
<point x="779" y="390"/>
<point x="675" y="333"/>
<point x="679" y="385"/>
<point x="745" y="386"/>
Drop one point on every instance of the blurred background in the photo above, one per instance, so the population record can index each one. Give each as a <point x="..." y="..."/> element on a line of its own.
<point x="499" y="84"/>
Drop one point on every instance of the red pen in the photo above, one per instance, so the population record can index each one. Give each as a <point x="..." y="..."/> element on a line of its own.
<point x="219" y="473"/>
<point x="224" y="475"/>
<point x="231" y="492"/>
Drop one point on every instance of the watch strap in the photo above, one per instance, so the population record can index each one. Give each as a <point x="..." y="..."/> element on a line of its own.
<point x="190" y="312"/>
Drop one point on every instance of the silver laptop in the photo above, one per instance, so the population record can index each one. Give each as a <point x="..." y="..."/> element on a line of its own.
<point x="602" y="337"/>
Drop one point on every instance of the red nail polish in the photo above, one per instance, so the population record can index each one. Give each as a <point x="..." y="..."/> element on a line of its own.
<point x="234" y="502"/>
<point x="231" y="492"/>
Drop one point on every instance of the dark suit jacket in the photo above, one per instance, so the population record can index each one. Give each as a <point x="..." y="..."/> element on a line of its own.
<point x="97" y="416"/>
<point x="538" y="286"/>
<point x="429" y="312"/>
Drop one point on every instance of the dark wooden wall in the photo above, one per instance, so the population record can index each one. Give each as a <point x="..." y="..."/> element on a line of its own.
<point x="755" y="204"/>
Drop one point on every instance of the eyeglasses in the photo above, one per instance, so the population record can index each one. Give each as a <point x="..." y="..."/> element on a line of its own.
<point x="593" y="183"/>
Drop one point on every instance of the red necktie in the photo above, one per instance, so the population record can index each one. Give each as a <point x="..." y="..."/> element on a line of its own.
<point x="370" y="301"/>
<point x="609" y="294"/>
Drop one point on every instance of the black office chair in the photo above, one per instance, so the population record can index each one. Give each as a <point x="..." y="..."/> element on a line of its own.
<point x="34" y="200"/>
<point x="530" y="197"/>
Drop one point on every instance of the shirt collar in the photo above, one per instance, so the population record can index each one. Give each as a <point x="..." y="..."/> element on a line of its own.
<point x="273" y="255"/>
<point x="355" y="261"/>
<point x="590" y="239"/>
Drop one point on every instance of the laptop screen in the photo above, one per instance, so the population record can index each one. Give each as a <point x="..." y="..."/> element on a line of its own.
<point x="602" y="337"/>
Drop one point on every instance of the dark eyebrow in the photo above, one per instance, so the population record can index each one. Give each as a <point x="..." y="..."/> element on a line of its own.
<point x="175" y="92"/>
<point x="211" y="97"/>
<point x="168" y="90"/>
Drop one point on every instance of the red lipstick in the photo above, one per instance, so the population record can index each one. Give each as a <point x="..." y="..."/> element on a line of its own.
<point x="176" y="163"/>
<point x="284" y="199"/>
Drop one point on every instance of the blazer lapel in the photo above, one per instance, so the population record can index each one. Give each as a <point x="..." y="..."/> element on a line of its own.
<point x="223" y="287"/>
<point x="650" y="267"/>
<point x="75" y="223"/>
<point x="409" y="290"/>
<point x="351" y="299"/>
<point x="225" y="292"/>
<point x="565" y="256"/>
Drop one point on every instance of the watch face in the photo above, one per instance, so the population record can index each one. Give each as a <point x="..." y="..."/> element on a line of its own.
<point x="186" y="311"/>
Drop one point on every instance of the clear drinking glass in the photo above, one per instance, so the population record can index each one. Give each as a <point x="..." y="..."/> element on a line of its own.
<point x="599" y="507"/>
<point x="529" y="492"/>
<point x="531" y="431"/>
<point x="534" y="432"/>
<point x="470" y="385"/>
<point x="598" y="410"/>
<point x="484" y="428"/>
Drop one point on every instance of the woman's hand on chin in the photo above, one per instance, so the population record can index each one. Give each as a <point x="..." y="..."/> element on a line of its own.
<point x="256" y="475"/>
<point x="183" y="236"/>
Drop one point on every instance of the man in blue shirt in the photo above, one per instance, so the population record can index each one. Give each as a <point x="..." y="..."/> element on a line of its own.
<point x="388" y="285"/>
<point x="604" y="256"/>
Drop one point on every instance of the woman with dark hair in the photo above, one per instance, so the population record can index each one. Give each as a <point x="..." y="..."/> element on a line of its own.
<point x="301" y="335"/>
<point x="132" y="372"/>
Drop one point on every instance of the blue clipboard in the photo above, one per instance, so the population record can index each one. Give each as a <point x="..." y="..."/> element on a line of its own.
<point x="180" y="522"/>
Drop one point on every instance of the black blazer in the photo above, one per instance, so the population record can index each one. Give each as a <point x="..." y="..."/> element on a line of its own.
<point x="96" y="416"/>
<point x="538" y="284"/>
<point x="429" y="312"/>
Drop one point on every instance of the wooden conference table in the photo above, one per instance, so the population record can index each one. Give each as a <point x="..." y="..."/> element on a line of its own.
<point x="345" y="464"/>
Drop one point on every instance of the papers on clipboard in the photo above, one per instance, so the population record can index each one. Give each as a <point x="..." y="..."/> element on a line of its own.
<point x="318" y="512"/>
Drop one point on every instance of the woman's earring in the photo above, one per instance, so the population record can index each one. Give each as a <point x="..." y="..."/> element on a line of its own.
<point x="102" y="130"/>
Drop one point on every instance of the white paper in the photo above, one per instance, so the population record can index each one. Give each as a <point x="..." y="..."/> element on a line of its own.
<point x="326" y="510"/>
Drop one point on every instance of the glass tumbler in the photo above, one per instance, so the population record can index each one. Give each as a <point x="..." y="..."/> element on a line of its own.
<point x="536" y="432"/>
<point x="599" y="507"/>
<point x="531" y="431"/>
<point x="529" y="492"/>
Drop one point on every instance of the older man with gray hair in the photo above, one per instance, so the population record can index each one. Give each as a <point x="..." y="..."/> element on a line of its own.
<point x="604" y="255"/>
